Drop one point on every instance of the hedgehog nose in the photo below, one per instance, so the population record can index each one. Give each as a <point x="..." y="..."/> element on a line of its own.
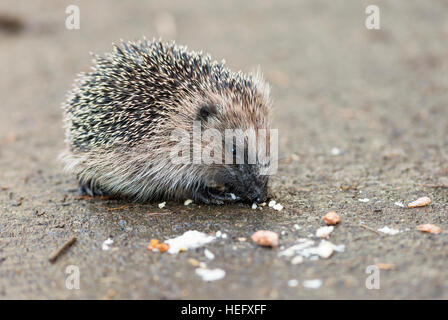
<point x="258" y="196"/>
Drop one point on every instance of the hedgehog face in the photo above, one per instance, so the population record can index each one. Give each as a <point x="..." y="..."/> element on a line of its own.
<point x="245" y="177"/>
<point x="245" y="181"/>
<point x="246" y="174"/>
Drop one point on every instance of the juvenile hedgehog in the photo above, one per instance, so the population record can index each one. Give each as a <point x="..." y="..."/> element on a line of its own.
<point x="120" y="116"/>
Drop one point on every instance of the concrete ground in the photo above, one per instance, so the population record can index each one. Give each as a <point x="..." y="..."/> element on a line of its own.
<point x="361" y="114"/>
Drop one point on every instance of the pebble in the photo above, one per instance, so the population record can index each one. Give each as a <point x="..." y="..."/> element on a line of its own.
<point x="265" y="238"/>
<point x="429" y="228"/>
<point x="331" y="218"/>
<point x="420" y="202"/>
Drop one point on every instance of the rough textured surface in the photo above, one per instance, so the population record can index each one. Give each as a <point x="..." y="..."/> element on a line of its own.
<point x="378" y="96"/>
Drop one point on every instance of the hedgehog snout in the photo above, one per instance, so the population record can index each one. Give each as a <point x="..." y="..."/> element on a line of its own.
<point x="258" y="196"/>
<point x="255" y="186"/>
<point x="257" y="192"/>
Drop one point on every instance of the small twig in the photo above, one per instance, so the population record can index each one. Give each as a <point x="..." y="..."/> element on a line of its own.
<point x="86" y="197"/>
<point x="118" y="208"/>
<point x="58" y="252"/>
<point x="442" y="186"/>
<point x="365" y="227"/>
<point x="158" y="213"/>
<point x="370" y="229"/>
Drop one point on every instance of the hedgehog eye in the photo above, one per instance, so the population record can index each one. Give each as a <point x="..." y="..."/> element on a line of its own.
<point x="206" y="111"/>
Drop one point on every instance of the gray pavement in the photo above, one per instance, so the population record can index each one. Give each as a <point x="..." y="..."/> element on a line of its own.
<point x="379" y="96"/>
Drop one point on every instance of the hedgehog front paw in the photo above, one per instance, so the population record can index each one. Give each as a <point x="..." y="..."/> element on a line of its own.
<point x="89" y="189"/>
<point x="212" y="196"/>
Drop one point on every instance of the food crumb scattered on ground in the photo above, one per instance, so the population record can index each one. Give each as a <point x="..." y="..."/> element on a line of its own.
<point x="163" y="247"/>
<point x="194" y="262"/>
<point x="210" y="274"/>
<point x="154" y="245"/>
<point x="107" y="243"/>
<point x="331" y="218"/>
<point x="364" y="200"/>
<point x="293" y="283"/>
<point x="265" y="238"/>
<point x="162" y="205"/>
<point x="312" y="284"/>
<point x="305" y="249"/>
<point x="430" y="228"/>
<point x="399" y="204"/>
<point x="420" y="202"/>
<point x="335" y="151"/>
<point x="297" y="260"/>
<point x="188" y="202"/>
<point x="388" y="230"/>
<point x="254" y="206"/>
<point x="209" y="254"/>
<point x="221" y="235"/>
<point x="325" y="249"/>
<point x="191" y="239"/>
<point x="324" y="232"/>
<point x="297" y="248"/>
<point x="385" y="266"/>
<point x="274" y="205"/>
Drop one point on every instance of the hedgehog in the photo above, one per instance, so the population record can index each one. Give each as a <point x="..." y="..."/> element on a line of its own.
<point x="119" y="118"/>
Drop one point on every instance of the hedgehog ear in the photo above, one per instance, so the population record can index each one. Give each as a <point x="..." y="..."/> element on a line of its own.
<point x="206" y="111"/>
